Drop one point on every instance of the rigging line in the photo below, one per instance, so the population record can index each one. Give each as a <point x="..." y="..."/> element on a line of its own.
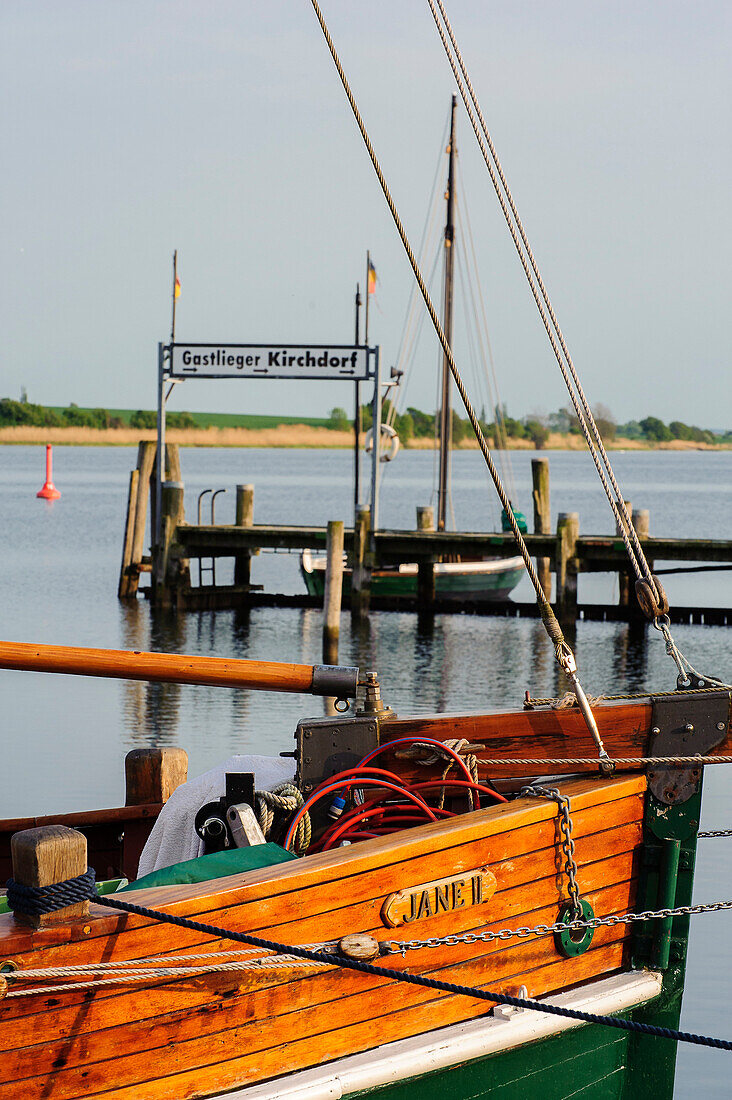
<point x="425" y="248"/>
<point x="410" y="354"/>
<point x="579" y="400"/>
<point x="562" y="650"/>
<point x="500" y="422"/>
<point x="482" y="338"/>
<point x="541" y="595"/>
<point x="475" y="352"/>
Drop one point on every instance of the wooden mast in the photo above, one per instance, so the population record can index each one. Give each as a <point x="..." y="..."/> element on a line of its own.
<point x="445" y="411"/>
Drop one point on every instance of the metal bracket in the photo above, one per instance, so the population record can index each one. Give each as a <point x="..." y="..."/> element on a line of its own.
<point x="326" y="746"/>
<point x="684" y="725"/>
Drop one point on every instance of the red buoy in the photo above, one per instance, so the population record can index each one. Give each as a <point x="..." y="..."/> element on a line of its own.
<point x="49" y="490"/>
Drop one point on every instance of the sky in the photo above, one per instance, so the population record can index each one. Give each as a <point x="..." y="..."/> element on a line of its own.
<point x="136" y="127"/>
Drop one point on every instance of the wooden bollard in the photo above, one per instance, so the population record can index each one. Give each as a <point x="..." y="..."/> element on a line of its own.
<point x="542" y="517"/>
<point x="44" y="856"/>
<point x="361" y="567"/>
<point x="566" y="575"/>
<point x="151" y="775"/>
<point x="172" y="463"/>
<point x="333" y="592"/>
<point x="425" y="569"/>
<point x="244" y="518"/>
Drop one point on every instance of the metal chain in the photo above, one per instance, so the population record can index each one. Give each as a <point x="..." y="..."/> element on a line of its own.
<point x="402" y="946"/>
<point x="565" y="824"/>
<point x="714" y="833"/>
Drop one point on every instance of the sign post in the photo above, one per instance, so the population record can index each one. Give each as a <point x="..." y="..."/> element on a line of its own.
<point x="336" y="362"/>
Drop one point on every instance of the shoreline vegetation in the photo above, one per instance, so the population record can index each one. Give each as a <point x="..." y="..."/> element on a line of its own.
<point x="24" y="423"/>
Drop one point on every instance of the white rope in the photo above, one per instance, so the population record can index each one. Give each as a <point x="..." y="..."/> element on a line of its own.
<point x="475" y="423"/>
<point x="276" y="962"/>
<point x="546" y="311"/>
<point x="136" y="970"/>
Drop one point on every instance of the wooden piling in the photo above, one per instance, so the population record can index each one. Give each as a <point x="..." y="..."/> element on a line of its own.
<point x="642" y="523"/>
<point x="361" y="567"/>
<point x="333" y="592"/>
<point x="152" y="774"/>
<point x="626" y="581"/>
<point x="566" y="567"/>
<point x="125" y="573"/>
<point x="425" y="569"/>
<point x="244" y="518"/>
<point x="173" y="514"/>
<point x="172" y="462"/>
<point x="134" y="543"/>
<point x="44" y="856"/>
<point x="542" y="517"/>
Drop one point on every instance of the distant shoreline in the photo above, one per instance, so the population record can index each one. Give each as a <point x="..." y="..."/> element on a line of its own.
<point x="301" y="436"/>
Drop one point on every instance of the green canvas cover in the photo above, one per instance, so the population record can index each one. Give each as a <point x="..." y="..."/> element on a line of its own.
<point x="216" y="865"/>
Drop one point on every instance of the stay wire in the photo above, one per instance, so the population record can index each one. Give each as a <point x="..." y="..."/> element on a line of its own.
<point x="551" y="624"/>
<point x="584" y="413"/>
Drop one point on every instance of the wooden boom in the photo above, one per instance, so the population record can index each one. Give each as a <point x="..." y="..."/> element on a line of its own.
<point x="179" y="668"/>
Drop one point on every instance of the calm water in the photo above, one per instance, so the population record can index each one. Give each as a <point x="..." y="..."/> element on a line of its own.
<point x="65" y="738"/>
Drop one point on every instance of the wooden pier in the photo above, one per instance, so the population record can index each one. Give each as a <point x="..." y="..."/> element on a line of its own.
<point x="565" y="553"/>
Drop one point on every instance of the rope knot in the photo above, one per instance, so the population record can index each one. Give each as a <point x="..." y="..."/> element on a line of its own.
<point x="34" y="901"/>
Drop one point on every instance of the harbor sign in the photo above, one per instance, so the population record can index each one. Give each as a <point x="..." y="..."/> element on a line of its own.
<point x="324" y="361"/>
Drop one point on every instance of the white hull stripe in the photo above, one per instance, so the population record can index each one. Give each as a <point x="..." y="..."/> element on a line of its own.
<point x="438" y="1050"/>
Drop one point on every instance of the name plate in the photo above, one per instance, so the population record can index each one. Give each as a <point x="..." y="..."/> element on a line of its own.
<point x="445" y="895"/>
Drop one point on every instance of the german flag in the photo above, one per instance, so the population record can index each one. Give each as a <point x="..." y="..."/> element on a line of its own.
<point x="177" y="287"/>
<point x="371" y="278"/>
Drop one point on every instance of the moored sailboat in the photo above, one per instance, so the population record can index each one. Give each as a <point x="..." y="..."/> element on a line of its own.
<point x="484" y="905"/>
<point x="457" y="579"/>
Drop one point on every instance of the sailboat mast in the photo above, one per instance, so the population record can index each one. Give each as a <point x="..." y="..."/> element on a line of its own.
<point x="445" y="411"/>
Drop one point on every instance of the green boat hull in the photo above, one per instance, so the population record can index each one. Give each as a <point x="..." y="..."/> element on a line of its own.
<point x="471" y="583"/>
<point x="589" y="1063"/>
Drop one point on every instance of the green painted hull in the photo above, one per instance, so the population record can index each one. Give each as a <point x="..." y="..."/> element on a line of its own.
<point x="590" y="1063"/>
<point x="458" y="586"/>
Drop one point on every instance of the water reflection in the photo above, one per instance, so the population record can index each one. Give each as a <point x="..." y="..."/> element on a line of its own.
<point x="630" y="656"/>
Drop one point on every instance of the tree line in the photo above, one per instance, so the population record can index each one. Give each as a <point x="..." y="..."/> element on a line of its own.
<point x="535" y="427"/>
<point x="24" y="412"/>
<point x="412" y="424"/>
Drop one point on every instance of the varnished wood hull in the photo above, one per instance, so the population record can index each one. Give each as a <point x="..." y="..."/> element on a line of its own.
<point x="200" y="1036"/>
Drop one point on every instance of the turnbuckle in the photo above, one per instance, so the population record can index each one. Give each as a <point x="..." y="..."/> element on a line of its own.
<point x="567" y="661"/>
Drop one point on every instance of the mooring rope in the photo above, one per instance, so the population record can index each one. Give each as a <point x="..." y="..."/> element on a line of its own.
<point x="498" y="997"/>
<point x="420" y="980"/>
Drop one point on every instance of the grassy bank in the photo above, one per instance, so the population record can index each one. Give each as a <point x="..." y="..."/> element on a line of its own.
<point x="296" y="434"/>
